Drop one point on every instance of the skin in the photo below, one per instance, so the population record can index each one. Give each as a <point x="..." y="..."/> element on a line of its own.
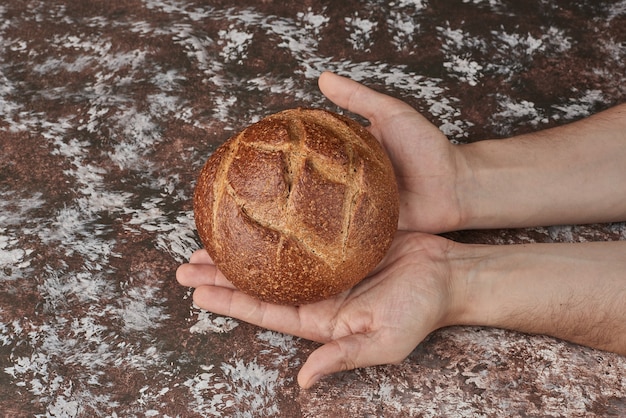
<point x="576" y="292"/>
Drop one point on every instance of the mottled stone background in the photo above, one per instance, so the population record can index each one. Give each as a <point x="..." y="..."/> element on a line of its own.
<point x="108" y="109"/>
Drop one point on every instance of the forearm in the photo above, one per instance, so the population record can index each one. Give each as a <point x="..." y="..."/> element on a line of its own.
<point x="576" y="292"/>
<point x="575" y="173"/>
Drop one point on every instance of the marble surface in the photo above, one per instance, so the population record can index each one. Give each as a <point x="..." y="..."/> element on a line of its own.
<point x="108" y="109"/>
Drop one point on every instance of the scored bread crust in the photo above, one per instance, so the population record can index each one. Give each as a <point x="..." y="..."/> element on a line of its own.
<point x="297" y="207"/>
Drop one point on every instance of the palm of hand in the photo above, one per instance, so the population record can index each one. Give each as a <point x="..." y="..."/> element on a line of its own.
<point x="379" y="321"/>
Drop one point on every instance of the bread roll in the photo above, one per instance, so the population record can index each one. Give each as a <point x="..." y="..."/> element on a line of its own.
<point x="297" y="207"/>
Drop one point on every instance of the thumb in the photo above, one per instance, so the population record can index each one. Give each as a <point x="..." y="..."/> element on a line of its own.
<point x="353" y="96"/>
<point x="346" y="353"/>
<point x="376" y="107"/>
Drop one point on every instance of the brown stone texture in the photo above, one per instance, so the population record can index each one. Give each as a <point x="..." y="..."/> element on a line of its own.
<point x="108" y="110"/>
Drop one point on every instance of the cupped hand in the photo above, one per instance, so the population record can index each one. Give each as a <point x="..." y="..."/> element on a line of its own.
<point x="428" y="167"/>
<point x="379" y="321"/>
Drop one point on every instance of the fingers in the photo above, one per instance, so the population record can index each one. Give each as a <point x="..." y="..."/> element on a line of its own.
<point x="236" y="304"/>
<point x="347" y="353"/>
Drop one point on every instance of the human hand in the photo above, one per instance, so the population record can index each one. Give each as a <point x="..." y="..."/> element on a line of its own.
<point x="379" y="321"/>
<point x="429" y="169"/>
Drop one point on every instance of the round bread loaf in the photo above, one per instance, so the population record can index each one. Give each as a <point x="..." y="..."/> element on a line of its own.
<point x="297" y="207"/>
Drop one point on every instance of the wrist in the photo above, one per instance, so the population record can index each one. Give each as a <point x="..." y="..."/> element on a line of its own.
<point x="467" y="264"/>
<point x="471" y="193"/>
<point x="496" y="185"/>
<point x="479" y="274"/>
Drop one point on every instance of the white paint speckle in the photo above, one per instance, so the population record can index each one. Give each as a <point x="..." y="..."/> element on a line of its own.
<point x="253" y="388"/>
<point x="208" y="322"/>
<point x="360" y="31"/>
<point x="492" y="3"/>
<point x="234" y="44"/>
<point x="514" y="112"/>
<point x="313" y="21"/>
<point x="140" y="309"/>
<point x="617" y="9"/>
<point x="281" y="347"/>
<point x="579" y="107"/>
<point x="467" y="69"/>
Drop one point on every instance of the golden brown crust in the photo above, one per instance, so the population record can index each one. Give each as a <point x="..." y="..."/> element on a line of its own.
<point x="297" y="207"/>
